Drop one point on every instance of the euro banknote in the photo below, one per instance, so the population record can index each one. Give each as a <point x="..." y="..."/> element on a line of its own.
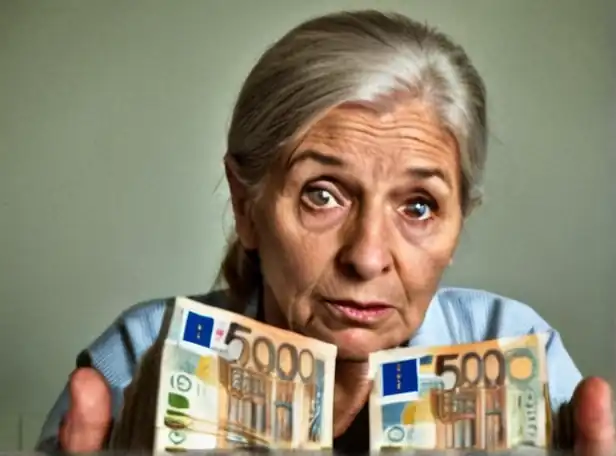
<point x="490" y="395"/>
<point x="227" y="381"/>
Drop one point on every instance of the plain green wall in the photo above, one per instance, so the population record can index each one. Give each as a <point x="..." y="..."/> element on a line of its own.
<point x="112" y="124"/>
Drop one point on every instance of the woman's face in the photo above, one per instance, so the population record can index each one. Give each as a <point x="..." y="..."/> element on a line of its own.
<point x="356" y="228"/>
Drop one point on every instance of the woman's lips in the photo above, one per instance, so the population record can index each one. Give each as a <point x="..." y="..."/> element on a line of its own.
<point x="360" y="312"/>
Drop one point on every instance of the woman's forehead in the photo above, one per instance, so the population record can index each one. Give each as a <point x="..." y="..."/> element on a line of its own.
<point x="409" y="131"/>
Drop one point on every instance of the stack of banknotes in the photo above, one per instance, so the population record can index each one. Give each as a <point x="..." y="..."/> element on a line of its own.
<point x="219" y="380"/>
<point x="491" y="395"/>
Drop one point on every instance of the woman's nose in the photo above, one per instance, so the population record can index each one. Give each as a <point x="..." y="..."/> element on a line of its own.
<point x="366" y="253"/>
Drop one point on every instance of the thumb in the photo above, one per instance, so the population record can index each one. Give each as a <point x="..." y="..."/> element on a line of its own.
<point x="87" y="422"/>
<point x="592" y="412"/>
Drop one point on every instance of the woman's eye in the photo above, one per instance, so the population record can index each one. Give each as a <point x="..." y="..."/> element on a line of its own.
<point x="419" y="210"/>
<point x="321" y="198"/>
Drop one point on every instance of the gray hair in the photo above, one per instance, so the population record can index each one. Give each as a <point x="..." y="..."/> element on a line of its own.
<point x="360" y="56"/>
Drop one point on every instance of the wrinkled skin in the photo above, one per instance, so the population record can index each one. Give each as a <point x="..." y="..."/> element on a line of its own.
<point x="367" y="208"/>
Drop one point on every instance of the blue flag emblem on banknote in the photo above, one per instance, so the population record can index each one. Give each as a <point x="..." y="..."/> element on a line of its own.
<point x="198" y="329"/>
<point x="400" y="377"/>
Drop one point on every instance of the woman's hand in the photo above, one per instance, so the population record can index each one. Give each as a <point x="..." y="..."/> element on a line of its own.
<point x="593" y="417"/>
<point x="87" y="423"/>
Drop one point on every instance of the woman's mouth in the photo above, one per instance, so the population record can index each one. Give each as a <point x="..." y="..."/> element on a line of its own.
<point x="360" y="312"/>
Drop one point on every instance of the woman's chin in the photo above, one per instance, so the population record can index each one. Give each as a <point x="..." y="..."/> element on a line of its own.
<point x="356" y="344"/>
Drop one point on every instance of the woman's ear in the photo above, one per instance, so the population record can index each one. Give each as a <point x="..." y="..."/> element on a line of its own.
<point x="242" y="207"/>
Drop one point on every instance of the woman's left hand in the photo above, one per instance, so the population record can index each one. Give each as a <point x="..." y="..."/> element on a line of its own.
<point x="593" y="417"/>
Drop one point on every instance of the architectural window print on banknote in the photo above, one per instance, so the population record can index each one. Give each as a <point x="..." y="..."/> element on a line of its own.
<point x="228" y="381"/>
<point x="490" y="395"/>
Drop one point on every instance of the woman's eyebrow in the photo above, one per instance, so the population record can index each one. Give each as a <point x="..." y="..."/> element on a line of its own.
<point x="426" y="173"/>
<point x="320" y="157"/>
<point x="416" y="172"/>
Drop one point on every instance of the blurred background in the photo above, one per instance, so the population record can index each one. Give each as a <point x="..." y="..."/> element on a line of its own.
<point x="113" y="117"/>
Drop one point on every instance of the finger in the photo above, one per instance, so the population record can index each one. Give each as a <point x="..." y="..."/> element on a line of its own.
<point x="592" y="413"/>
<point x="87" y="421"/>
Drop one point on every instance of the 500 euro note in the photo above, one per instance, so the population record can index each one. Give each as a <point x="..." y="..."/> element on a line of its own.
<point x="227" y="381"/>
<point x="490" y="395"/>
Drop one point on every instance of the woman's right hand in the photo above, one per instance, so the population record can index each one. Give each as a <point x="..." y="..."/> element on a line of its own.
<point x="86" y="426"/>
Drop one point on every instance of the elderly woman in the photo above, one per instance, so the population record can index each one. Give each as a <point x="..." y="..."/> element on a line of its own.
<point x="355" y="154"/>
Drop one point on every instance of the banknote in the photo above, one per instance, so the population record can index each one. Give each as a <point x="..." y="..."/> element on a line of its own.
<point x="227" y="381"/>
<point x="490" y="395"/>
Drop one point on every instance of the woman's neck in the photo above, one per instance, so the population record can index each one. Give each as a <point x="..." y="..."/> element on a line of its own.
<point x="351" y="386"/>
